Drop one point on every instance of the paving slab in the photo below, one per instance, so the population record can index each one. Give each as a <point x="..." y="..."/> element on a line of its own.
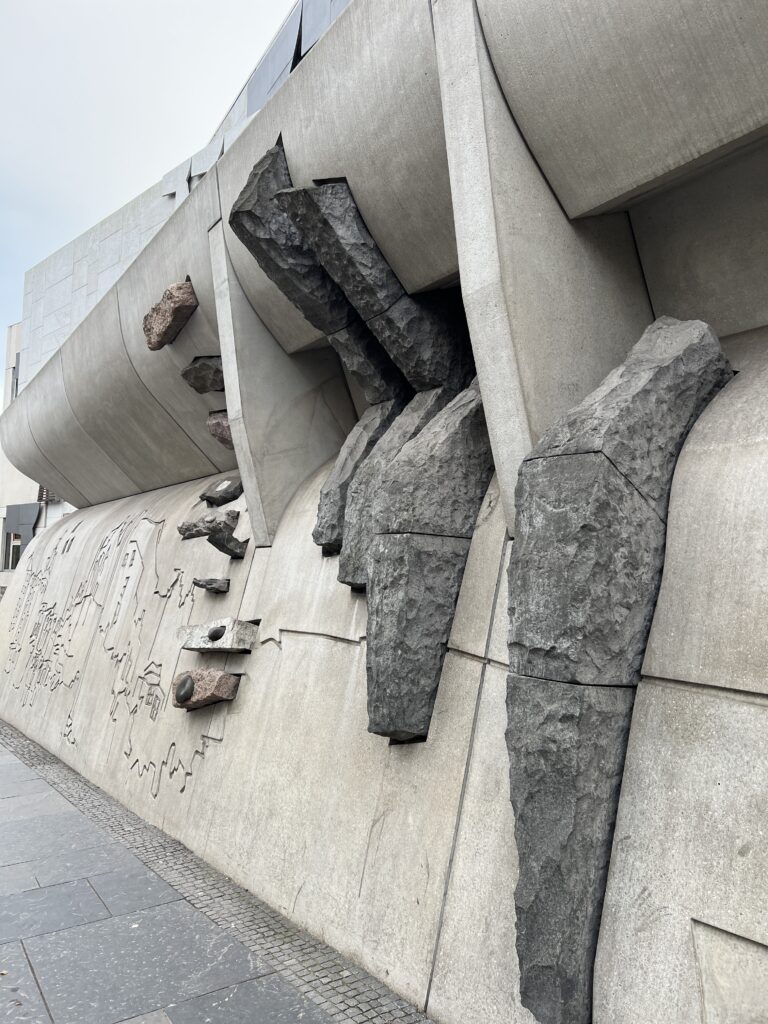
<point x="266" y="1000"/>
<point x="17" y="878"/>
<point x="48" y="910"/>
<point x="51" y="835"/>
<point x="136" y="963"/>
<point x="25" y="786"/>
<point x="35" y="805"/>
<point x="20" y="998"/>
<point x="11" y="774"/>
<point x="87" y="863"/>
<point x="124" y="891"/>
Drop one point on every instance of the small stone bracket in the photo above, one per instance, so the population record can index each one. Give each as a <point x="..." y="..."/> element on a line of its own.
<point x="164" y="322"/>
<point x="223" y="636"/>
<point x="201" y="687"/>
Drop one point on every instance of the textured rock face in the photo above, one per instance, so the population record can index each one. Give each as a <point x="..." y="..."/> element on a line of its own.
<point x="329" y="220"/>
<point x="204" y="374"/>
<point x="209" y="686"/>
<point x="414" y="586"/>
<point x="427" y="338"/>
<point x="276" y="244"/>
<point x="366" y="361"/>
<point x="358" y="516"/>
<point x="218" y="427"/>
<point x="222" y="536"/>
<point x="566" y="750"/>
<point x="212" y="585"/>
<point x="223" y="491"/>
<point x="210" y="521"/>
<point x="641" y="414"/>
<point x="329" y="528"/>
<point x="164" y="321"/>
<point x="226" y="636"/>
<point x="437" y="481"/>
<point x="585" y="571"/>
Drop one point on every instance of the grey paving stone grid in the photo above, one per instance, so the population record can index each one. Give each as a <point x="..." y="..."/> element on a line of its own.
<point x="343" y="991"/>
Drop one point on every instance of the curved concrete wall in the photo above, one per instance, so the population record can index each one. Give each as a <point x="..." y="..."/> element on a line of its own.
<point x="364" y="104"/>
<point x="684" y="934"/>
<point x="616" y="98"/>
<point x="394" y="854"/>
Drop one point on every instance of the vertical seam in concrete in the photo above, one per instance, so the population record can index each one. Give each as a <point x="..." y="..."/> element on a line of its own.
<point x="654" y="314"/>
<point x="467" y="766"/>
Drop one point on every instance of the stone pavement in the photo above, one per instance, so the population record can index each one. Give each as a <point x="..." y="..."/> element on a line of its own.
<point x="105" y="919"/>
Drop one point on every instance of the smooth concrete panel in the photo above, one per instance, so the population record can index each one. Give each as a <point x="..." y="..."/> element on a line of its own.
<point x="704" y="245"/>
<point x="300" y="590"/>
<point x="552" y="306"/>
<point x="23" y="452"/>
<point x="615" y="98"/>
<point x="113" y="404"/>
<point x="713" y="603"/>
<point x="288" y="414"/>
<point x="475" y="978"/>
<point x="363" y="104"/>
<point x="64" y="442"/>
<point x="746" y="348"/>
<point x="482" y="581"/>
<point x="689" y="855"/>
<point x="179" y="249"/>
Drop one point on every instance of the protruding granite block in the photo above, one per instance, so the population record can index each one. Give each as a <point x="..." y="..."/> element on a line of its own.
<point x="329" y="220"/>
<point x="329" y="529"/>
<point x="358" y="516"/>
<point x="566" y="746"/>
<point x="204" y="374"/>
<point x="584" y="574"/>
<point x="218" y="427"/>
<point x="642" y="413"/>
<point x="426" y="336"/>
<point x="210" y="521"/>
<point x="208" y="686"/>
<point x="223" y="491"/>
<point x="437" y="481"/>
<point x="222" y="537"/>
<point x="164" y="322"/>
<point x="366" y="361"/>
<point x="276" y="244"/>
<point x="212" y="585"/>
<point x="225" y="636"/>
<point x="414" y="585"/>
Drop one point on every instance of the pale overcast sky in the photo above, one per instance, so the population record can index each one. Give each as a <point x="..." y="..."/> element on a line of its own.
<point x="98" y="99"/>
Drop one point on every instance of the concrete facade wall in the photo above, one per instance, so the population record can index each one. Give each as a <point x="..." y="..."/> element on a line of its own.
<point x="394" y="854"/>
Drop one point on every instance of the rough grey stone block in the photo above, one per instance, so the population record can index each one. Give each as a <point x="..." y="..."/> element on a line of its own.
<point x="437" y="481"/>
<point x="222" y="537"/>
<point x="566" y="746"/>
<point x="223" y="491"/>
<point x="276" y="244"/>
<point x="329" y="528"/>
<point x="213" y="586"/>
<point x="164" y="322"/>
<point x="584" y="574"/>
<point x="200" y="687"/>
<point x="414" y="585"/>
<point x="358" y="516"/>
<point x="365" y="360"/>
<point x="329" y="220"/>
<point x="218" y="427"/>
<point x="426" y="336"/>
<point x="210" y="521"/>
<point x="225" y="636"/>
<point x="204" y="374"/>
<point x="641" y="414"/>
